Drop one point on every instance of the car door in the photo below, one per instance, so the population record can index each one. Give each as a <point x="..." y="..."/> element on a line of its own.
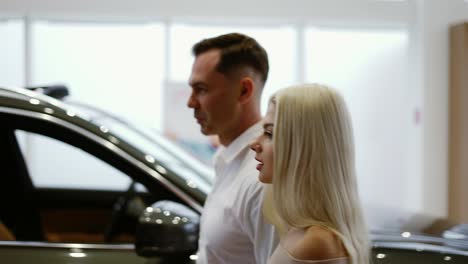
<point x="69" y="208"/>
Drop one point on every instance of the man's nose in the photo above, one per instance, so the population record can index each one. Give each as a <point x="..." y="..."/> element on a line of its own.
<point x="192" y="102"/>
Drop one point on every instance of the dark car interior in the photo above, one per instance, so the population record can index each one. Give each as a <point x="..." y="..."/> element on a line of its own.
<point x="5" y="233"/>
<point x="67" y="214"/>
<point x="18" y="208"/>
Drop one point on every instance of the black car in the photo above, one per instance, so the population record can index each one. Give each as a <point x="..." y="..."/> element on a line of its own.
<point x="156" y="169"/>
<point x="154" y="219"/>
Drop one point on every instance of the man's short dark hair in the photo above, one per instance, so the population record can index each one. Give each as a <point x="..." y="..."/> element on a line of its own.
<point x="237" y="50"/>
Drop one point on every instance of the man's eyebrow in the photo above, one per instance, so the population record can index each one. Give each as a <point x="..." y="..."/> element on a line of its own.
<point x="267" y="125"/>
<point x="195" y="83"/>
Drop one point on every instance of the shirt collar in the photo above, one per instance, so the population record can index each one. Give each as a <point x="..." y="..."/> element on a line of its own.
<point x="227" y="154"/>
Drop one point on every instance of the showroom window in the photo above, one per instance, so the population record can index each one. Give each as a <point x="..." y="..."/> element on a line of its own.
<point x="370" y="69"/>
<point x="118" y="67"/>
<point x="12" y="52"/>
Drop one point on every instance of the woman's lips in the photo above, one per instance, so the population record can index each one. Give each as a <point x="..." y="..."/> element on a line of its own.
<point x="259" y="166"/>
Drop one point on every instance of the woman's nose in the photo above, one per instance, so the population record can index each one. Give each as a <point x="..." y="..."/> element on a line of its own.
<point x="255" y="146"/>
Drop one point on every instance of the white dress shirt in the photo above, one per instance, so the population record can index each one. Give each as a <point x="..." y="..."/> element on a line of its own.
<point x="232" y="228"/>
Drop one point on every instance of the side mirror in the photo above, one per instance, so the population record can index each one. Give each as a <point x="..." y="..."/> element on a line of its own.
<point x="167" y="229"/>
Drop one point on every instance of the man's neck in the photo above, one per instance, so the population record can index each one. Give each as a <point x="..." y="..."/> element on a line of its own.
<point x="228" y="138"/>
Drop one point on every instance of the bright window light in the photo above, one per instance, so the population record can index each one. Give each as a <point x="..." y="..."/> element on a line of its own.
<point x="12" y="53"/>
<point x="369" y="68"/>
<point x="118" y="67"/>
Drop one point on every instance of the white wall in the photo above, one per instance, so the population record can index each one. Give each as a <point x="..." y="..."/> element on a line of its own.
<point x="357" y="10"/>
<point x="436" y="18"/>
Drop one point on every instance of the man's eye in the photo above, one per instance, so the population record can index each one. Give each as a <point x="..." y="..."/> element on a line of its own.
<point x="268" y="134"/>
<point x="201" y="90"/>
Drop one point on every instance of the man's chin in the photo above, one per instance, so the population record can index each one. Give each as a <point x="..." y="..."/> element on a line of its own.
<point x="205" y="131"/>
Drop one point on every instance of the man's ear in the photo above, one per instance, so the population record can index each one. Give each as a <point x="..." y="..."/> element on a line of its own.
<point x="247" y="89"/>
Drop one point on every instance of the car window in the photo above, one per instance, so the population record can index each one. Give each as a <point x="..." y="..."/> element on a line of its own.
<point x="56" y="164"/>
<point x="69" y="183"/>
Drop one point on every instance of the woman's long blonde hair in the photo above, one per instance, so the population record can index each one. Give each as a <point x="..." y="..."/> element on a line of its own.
<point x="314" y="180"/>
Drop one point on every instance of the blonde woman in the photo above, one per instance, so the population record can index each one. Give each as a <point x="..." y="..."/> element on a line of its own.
<point x="307" y="153"/>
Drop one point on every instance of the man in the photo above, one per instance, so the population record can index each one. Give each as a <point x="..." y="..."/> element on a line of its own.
<point x="227" y="79"/>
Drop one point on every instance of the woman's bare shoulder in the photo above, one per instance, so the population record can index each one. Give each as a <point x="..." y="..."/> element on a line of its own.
<point x="318" y="243"/>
